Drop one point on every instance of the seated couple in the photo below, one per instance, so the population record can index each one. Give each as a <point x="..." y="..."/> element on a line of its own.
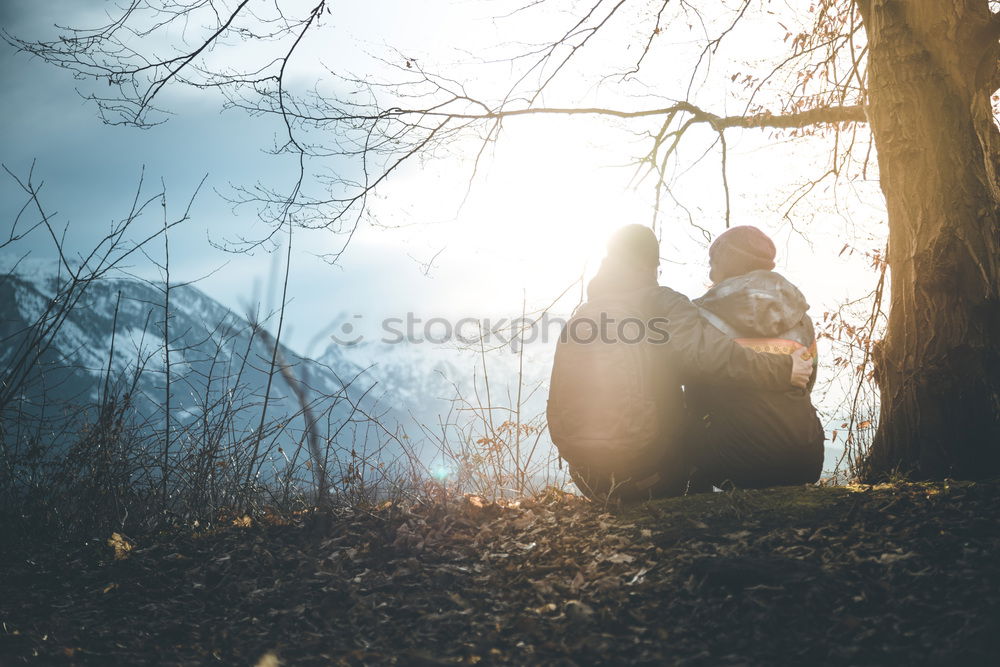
<point x="723" y="399"/>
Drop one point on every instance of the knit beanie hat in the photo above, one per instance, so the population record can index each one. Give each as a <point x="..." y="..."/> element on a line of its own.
<point x="740" y="250"/>
<point x="635" y="244"/>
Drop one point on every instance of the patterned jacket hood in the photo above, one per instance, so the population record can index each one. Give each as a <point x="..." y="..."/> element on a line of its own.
<point x="759" y="304"/>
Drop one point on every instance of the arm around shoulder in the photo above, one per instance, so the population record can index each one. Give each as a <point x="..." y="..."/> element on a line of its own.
<point x="706" y="355"/>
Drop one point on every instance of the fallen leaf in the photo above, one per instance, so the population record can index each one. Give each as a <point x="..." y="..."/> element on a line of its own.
<point x="619" y="558"/>
<point x="121" y="545"/>
<point x="579" y="612"/>
<point x="268" y="660"/>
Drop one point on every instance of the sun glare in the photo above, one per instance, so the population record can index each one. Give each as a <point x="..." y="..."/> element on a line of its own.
<point x="543" y="211"/>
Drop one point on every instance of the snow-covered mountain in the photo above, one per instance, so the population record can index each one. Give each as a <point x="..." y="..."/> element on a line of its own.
<point x="61" y="352"/>
<point x="419" y="380"/>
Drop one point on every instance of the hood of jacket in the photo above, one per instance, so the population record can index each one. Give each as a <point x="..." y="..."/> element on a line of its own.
<point x="616" y="278"/>
<point x="758" y="304"/>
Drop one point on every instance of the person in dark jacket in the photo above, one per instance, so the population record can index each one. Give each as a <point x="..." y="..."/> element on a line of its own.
<point x="754" y="437"/>
<point x="696" y="351"/>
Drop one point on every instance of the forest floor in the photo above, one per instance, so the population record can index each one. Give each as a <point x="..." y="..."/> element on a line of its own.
<point x="894" y="574"/>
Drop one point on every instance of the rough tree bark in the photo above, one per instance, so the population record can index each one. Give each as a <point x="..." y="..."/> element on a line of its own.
<point x="933" y="65"/>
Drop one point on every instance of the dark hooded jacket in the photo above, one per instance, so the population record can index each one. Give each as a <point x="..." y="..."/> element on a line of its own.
<point x="756" y="437"/>
<point x="695" y="351"/>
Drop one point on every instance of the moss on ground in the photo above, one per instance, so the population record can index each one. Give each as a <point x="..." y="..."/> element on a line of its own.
<point x="789" y="504"/>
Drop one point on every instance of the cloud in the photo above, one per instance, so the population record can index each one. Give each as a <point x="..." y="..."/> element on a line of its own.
<point x="32" y="17"/>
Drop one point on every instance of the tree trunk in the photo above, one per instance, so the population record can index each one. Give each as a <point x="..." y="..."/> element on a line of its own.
<point x="932" y="68"/>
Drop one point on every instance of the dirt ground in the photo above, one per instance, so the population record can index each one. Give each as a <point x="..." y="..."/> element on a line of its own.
<point x="897" y="574"/>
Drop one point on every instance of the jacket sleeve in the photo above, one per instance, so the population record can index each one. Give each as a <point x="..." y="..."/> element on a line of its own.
<point x="810" y="333"/>
<point x="705" y="355"/>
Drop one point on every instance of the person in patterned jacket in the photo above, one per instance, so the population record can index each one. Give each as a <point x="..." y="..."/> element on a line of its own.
<point x="753" y="437"/>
